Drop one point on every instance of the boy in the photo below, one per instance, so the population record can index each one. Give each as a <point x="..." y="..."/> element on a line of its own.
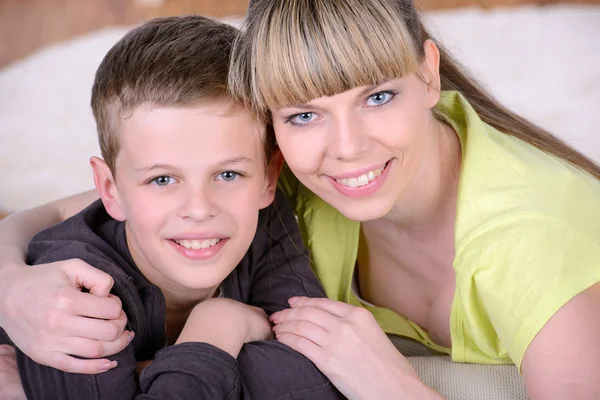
<point x="185" y="172"/>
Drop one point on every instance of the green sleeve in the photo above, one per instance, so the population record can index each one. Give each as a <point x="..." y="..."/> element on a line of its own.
<point x="513" y="278"/>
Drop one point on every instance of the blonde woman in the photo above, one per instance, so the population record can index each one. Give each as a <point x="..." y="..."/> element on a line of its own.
<point x="430" y="210"/>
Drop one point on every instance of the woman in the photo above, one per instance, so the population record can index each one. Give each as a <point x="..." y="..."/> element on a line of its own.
<point x="454" y="221"/>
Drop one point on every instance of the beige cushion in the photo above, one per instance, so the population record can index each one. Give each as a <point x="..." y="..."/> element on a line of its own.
<point x="462" y="381"/>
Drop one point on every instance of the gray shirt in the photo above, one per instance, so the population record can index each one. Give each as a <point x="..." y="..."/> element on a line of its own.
<point x="275" y="268"/>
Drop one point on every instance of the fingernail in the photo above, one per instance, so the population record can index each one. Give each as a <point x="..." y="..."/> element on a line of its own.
<point x="293" y="300"/>
<point x="130" y="336"/>
<point x="107" y="366"/>
<point x="274" y="316"/>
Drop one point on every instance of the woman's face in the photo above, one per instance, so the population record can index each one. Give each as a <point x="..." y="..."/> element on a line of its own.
<point x="361" y="150"/>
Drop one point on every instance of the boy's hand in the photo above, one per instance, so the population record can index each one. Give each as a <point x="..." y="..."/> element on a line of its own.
<point x="226" y="324"/>
<point x="48" y="317"/>
<point x="259" y="327"/>
<point x="10" y="382"/>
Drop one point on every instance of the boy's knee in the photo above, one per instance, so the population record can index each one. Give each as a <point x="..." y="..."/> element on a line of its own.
<point x="272" y="370"/>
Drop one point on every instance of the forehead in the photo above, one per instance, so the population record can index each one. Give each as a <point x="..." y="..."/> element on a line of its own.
<point x="199" y="135"/>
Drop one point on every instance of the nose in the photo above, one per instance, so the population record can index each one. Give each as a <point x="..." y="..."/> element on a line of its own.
<point x="197" y="204"/>
<point x="348" y="139"/>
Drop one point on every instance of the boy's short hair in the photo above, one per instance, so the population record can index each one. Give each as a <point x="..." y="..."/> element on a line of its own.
<point x="173" y="61"/>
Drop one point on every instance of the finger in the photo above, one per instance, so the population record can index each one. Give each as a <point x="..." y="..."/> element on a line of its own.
<point x="7" y="350"/>
<point x="92" y="306"/>
<point x="98" y="329"/>
<point x="305" y="329"/>
<point x="337" y="308"/>
<point x="317" y="316"/>
<point x="83" y="275"/>
<point x="95" y="349"/>
<point x="73" y="365"/>
<point x="303" y="346"/>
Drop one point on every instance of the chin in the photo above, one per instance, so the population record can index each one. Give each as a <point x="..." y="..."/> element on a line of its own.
<point x="362" y="213"/>
<point x="201" y="281"/>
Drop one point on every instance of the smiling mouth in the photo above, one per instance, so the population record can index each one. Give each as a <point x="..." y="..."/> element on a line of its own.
<point x="362" y="180"/>
<point x="197" y="244"/>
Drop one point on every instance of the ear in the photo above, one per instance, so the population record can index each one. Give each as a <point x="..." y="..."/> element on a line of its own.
<point x="273" y="171"/>
<point x="430" y="71"/>
<point x="107" y="188"/>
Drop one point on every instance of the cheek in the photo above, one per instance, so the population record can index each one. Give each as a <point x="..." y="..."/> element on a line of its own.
<point x="229" y="203"/>
<point x="244" y="216"/>
<point x="146" y="211"/>
<point x="302" y="153"/>
<point x="402" y="130"/>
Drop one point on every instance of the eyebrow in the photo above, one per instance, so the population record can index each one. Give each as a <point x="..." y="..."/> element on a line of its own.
<point x="230" y="161"/>
<point x="236" y="160"/>
<point x="362" y="93"/>
<point x="150" y="168"/>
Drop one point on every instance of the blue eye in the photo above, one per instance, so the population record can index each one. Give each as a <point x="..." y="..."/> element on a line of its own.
<point x="380" y="98"/>
<point x="227" y="176"/>
<point x="164" y="180"/>
<point x="302" y="118"/>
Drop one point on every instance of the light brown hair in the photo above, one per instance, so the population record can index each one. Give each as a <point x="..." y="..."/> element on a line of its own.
<point x="293" y="51"/>
<point x="173" y="61"/>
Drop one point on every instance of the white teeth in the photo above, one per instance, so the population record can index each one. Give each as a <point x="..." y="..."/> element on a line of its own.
<point x="198" y="244"/>
<point x="361" y="180"/>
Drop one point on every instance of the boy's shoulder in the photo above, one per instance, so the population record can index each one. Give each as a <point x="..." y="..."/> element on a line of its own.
<point x="91" y="233"/>
<point x="78" y="227"/>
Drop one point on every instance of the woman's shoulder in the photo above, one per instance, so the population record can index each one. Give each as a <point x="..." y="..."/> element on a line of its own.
<point x="506" y="179"/>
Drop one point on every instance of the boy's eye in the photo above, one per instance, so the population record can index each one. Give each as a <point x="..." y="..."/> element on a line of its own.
<point x="163" y="180"/>
<point x="302" y="118"/>
<point x="227" y="176"/>
<point x="379" y="98"/>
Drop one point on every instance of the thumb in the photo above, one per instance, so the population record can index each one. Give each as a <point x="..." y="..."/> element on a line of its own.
<point x="82" y="275"/>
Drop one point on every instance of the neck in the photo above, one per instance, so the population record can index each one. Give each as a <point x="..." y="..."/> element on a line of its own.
<point x="429" y="205"/>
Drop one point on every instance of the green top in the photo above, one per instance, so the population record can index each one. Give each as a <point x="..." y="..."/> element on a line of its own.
<point x="527" y="240"/>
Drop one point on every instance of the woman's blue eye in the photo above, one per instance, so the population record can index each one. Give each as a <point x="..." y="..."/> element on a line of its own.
<point x="227" y="176"/>
<point x="302" y="118"/>
<point x="379" y="98"/>
<point x="163" y="180"/>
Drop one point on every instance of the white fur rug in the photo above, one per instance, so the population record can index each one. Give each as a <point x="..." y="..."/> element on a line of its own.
<point x="543" y="62"/>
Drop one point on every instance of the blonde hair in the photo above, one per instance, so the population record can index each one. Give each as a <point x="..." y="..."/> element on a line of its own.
<point x="293" y="51"/>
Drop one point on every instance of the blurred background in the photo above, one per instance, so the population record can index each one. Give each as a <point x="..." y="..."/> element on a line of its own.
<point x="26" y="25"/>
<point x="541" y="58"/>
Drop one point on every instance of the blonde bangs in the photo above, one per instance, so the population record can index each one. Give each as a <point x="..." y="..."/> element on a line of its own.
<point x="305" y="49"/>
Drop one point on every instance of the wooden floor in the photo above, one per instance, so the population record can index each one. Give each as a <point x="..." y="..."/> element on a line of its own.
<point x="26" y="25"/>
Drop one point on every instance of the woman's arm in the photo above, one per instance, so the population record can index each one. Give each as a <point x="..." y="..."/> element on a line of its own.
<point x="35" y="324"/>
<point x="190" y="370"/>
<point x="563" y="360"/>
<point x="349" y="347"/>
<point x="17" y="229"/>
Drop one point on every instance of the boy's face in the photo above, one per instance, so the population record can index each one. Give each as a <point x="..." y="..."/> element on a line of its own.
<point x="189" y="183"/>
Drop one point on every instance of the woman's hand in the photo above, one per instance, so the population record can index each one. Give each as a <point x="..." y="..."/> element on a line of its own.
<point x="226" y="324"/>
<point x="349" y="347"/>
<point x="48" y="317"/>
<point x="11" y="387"/>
